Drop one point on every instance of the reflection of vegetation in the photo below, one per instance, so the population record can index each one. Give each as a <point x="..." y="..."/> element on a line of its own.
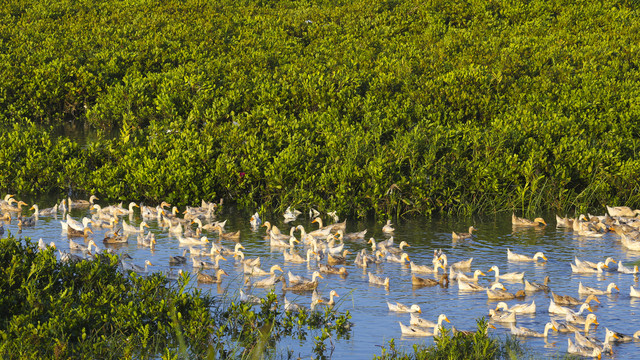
<point x="392" y="107"/>
<point x="90" y="310"/>
<point x="477" y="346"/>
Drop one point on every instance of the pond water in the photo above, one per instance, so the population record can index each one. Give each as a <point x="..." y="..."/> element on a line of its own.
<point x="374" y="324"/>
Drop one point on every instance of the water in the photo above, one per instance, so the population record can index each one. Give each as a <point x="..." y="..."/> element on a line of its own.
<point x="375" y="325"/>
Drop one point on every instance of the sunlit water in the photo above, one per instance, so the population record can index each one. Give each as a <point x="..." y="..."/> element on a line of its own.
<point x="374" y="324"/>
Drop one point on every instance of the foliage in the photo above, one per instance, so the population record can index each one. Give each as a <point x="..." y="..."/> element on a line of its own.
<point x="89" y="309"/>
<point x="367" y="107"/>
<point x="477" y="346"/>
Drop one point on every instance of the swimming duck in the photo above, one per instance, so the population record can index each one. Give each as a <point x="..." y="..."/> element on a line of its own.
<point x="475" y="277"/>
<point x="518" y="308"/>
<point x="422" y="282"/>
<point x="508" y="276"/>
<point x="534" y="286"/>
<point x="235" y="236"/>
<point x="388" y="228"/>
<point x="296" y="258"/>
<point x="565" y="222"/>
<point x="569" y="300"/>
<point x="502" y="317"/>
<point x="44" y="212"/>
<point x="626" y="270"/>
<point x="71" y="232"/>
<point x="192" y="241"/>
<point x="126" y="266"/>
<point x="585" y="290"/>
<point x="147" y="240"/>
<point x="248" y="298"/>
<point x="460" y="265"/>
<point x="463" y="235"/>
<point x="418" y="326"/>
<point x="583" y="351"/>
<point x="132" y="229"/>
<point x="334" y="259"/>
<point x="417" y="321"/>
<point x="524" y="332"/>
<point x="634" y="293"/>
<point x="511" y="256"/>
<point x="298" y="279"/>
<point x="518" y="221"/>
<point x="499" y="293"/>
<point x="351" y="236"/>
<point x="26" y="222"/>
<point x="585" y="263"/>
<point x="268" y="281"/>
<point x="417" y="331"/>
<point x="587" y="269"/>
<point x="257" y="271"/>
<point x="250" y="262"/>
<point x="561" y="310"/>
<point x="424" y="269"/>
<point x="202" y="264"/>
<point x="304" y="285"/>
<point x="178" y="260"/>
<point x="622" y="211"/>
<point x="209" y="279"/>
<point x="43" y="246"/>
<point x="114" y="238"/>
<point x="328" y="269"/>
<point x="78" y="204"/>
<point x="376" y="280"/>
<point x="470" y="286"/>
<point x="329" y="302"/>
<point x="620" y="337"/>
<point x="398" y="307"/>
<point x="565" y="327"/>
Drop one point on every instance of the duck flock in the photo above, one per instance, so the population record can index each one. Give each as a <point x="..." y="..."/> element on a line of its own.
<point x="331" y="251"/>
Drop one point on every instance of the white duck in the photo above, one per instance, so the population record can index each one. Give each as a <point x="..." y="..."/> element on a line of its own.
<point x="518" y="308"/>
<point x="388" y="228"/>
<point x="586" y="290"/>
<point x="524" y="332"/>
<point x="508" y="276"/>
<point x="511" y="256"/>
<point x="398" y="307"/>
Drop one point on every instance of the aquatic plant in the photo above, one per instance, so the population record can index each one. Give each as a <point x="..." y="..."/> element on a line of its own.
<point x="90" y="309"/>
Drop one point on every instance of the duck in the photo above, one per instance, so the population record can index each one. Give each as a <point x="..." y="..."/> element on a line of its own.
<point x="132" y="229"/>
<point x="248" y="298"/>
<point x="583" y="351"/>
<point x="565" y="327"/>
<point x="575" y="318"/>
<point x="397" y="250"/>
<point x="569" y="300"/>
<point x="328" y="269"/>
<point x="518" y="308"/>
<point x="76" y="246"/>
<point x="587" y="269"/>
<point x="78" y="204"/>
<point x="460" y="265"/>
<point x="43" y="246"/>
<point x="26" y="222"/>
<point x="250" y="262"/>
<point x="255" y="221"/>
<point x="290" y="215"/>
<point x="376" y="280"/>
<point x="417" y="331"/>
<point x="126" y="266"/>
<point x="322" y="233"/>
<point x="634" y="292"/>
<point x="202" y="264"/>
<point x="507" y="276"/>
<point x="525" y="332"/>
<point x="75" y="224"/>
<point x="622" y="211"/>
<point x="297" y="279"/>
<point x="178" y="259"/>
<point x="268" y="281"/>
<point x="502" y="317"/>
<point x="585" y="263"/>
<point x="620" y="337"/>
<point x="257" y="271"/>
<point x="115" y="238"/>
<point x="534" y="286"/>
<point x="499" y="293"/>
<point x="585" y="290"/>
<point x="511" y="256"/>
<point x="333" y="227"/>
<point x="561" y="310"/>
<point x="475" y="277"/>
<point x="209" y="279"/>
<point x="334" y="259"/>
<point x="422" y="282"/>
<point x="351" y="236"/>
<point x="304" y="285"/>
<point x="626" y="270"/>
<point x="463" y="235"/>
<point x="44" y="212"/>
<point x="71" y="232"/>
<point x="388" y="228"/>
<point x="518" y="221"/>
<point x="235" y="236"/>
<point x="424" y="269"/>
<point x="417" y="326"/>
<point x="565" y="222"/>
<point x="147" y="240"/>
<point x="398" y="307"/>
<point x="277" y="243"/>
<point x="417" y="321"/>
<point x="470" y="286"/>
<point x="329" y="302"/>
<point x="296" y="258"/>
<point x="398" y="259"/>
